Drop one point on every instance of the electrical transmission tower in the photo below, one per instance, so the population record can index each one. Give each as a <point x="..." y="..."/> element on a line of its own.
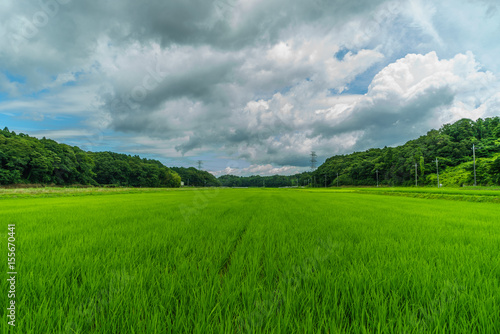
<point x="313" y="166"/>
<point x="200" y="164"/>
<point x="313" y="160"/>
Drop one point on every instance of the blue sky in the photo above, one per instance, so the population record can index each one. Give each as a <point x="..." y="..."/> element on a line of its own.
<point x="248" y="87"/>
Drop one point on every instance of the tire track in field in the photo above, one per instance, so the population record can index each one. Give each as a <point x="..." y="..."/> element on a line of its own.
<point x="224" y="266"/>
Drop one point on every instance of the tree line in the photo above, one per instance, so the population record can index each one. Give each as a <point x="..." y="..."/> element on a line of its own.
<point x="25" y="159"/>
<point x="196" y="178"/>
<point x="451" y="145"/>
<point x="275" y="181"/>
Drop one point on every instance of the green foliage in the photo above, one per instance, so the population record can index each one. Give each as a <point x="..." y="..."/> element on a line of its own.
<point x="25" y="159"/>
<point x="495" y="170"/>
<point x="132" y="171"/>
<point x="422" y="166"/>
<point x="452" y="145"/>
<point x="196" y="178"/>
<point x="274" y="181"/>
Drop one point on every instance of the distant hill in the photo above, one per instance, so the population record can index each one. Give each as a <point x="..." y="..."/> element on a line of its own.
<point x="451" y="145"/>
<point x="25" y="159"/>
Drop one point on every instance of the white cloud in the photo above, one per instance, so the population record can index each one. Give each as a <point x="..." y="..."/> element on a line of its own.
<point x="263" y="170"/>
<point x="58" y="134"/>
<point x="415" y="93"/>
<point x="422" y="14"/>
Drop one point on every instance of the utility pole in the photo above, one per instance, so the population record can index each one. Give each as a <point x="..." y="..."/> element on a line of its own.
<point x="200" y="164"/>
<point x="416" y="171"/>
<point x="337" y="180"/>
<point x="325" y="180"/>
<point x="474" y="155"/>
<point x="263" y="183"/>
<point x="377" y="178"/>
<point x="437" y="170"/>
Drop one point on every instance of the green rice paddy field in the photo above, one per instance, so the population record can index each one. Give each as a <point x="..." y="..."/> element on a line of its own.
<point x="251" y="261"/>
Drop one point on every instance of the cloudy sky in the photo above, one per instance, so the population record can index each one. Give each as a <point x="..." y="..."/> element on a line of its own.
<point x="247" y="86"/>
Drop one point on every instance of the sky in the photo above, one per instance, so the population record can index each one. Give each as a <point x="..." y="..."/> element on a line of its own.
<point x="247" y="86"/>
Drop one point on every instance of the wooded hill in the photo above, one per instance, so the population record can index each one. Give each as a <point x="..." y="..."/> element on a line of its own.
<point x="451" y="145"/>
<point x="25" y="159"/>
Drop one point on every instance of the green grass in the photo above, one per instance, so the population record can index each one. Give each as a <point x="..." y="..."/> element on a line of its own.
<point x="469" y="194"/>
<point x="70" y="191"/>
<point x="251" y="261"/>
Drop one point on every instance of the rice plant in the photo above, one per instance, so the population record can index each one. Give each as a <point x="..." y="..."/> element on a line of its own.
<point x="252" y="261"/>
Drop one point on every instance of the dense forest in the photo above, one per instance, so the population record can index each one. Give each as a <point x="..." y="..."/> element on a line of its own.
<point x="275" y="181"/>
<point x="196" y="178"/>
<point x="25" y="159"/>
<point x="132" y="171"/>
<point x="451" y="145"/>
